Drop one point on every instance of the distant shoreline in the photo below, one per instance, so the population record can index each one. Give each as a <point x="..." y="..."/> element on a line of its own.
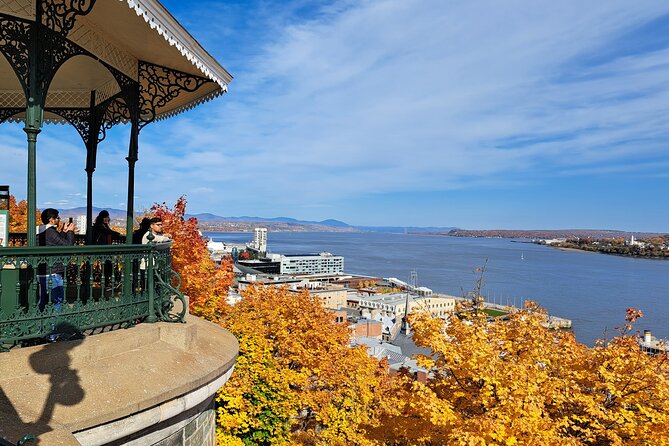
<point x="561" y="248"/>
<point x="576" y="249"/>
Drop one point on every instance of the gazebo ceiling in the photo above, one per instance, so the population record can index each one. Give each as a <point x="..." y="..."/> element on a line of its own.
<point x="139" y="38"/>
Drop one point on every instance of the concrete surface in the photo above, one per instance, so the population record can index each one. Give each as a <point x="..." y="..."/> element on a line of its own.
<point x="123" y="377"/>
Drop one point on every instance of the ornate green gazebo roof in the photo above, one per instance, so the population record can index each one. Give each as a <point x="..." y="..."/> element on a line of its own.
<point x="95" y="64"/>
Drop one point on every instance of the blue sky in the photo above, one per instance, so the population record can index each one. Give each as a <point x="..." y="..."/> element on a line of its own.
<point x="476" y="114"/>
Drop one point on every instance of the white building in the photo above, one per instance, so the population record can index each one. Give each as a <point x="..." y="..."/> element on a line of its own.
<point x="323" y="263"/>
<point x="80" y="222"/>
<point x="259" y="242"/>
<point x="218" y="250"/>
<point x="393" y="304"/>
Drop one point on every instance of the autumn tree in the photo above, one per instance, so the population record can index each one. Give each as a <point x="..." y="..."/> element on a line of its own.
<point x="18" y="215"/>
<point x="296" y="379"/>
<point x="205" y="283"/>
<point x="515" y="382"/>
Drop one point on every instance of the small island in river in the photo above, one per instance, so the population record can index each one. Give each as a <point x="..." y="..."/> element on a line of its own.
<point x="655" y="247"/>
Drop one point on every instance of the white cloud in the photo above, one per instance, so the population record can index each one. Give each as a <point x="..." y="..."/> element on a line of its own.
<point x="377" y="97"/>
<point x="421" y="95"/>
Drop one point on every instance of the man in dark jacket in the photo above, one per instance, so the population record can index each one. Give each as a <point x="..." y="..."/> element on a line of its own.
<point x="48" y="235"/>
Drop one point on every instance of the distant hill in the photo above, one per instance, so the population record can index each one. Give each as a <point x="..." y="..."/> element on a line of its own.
<point x="406" y="229"/>
<point x="213" y="222"/>
<point x="547" y="233"/>
<point x="209" y="218"/>
<point x="114" y="214"/>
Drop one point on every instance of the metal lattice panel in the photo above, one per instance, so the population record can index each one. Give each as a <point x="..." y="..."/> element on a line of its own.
<point x="14" y="38"/>
<point x="6" y="114"/>
<point x="68" y="98"/>
<point x="20" y="8"/>
<point x="83" y="35"/>
<point x="12" y="99"/>
<point x="78" y="118"/>
<point x="116" y="112"/>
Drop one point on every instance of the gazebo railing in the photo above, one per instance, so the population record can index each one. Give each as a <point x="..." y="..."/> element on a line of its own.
<point x="21" y="239"/>
<point x="104" y="287"/>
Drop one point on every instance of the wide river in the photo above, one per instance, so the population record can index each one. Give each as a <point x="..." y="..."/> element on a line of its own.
<point x="593" y="290"/>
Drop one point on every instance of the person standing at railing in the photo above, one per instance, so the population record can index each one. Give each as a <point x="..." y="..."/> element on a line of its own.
<point x="143" y="229"/>
<point x="157" y="236"/>
<point x="103" y="235"/>
<point x="156" y="226"/>
<point x="137" y="235"/>
<point x="48" y="235"/>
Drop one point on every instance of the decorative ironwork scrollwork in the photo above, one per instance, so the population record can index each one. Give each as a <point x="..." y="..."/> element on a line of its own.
<point x="60" y="15"/>
<point x="159" y="85"/>
<point x="14" y="42"/>
<point x="79" y="118"/>
<point x="6" y="113"/>
<point x="115" y="112"/>
<point x="55" y="50"/>
<point x="97" y="299"/>
<point x="122" y="79"/>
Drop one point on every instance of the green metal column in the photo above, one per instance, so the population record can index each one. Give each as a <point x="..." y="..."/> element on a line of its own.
<point x="89" y="207"/>
<point x="91" y="153"/>
<point x="32" y="128"/>
<point x="33" y="125"/>
<point x="132" y="159"/>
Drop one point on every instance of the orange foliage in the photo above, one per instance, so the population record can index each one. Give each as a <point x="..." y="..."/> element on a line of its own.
<point x="205" y="283"/>
<point x="18" y="215"/>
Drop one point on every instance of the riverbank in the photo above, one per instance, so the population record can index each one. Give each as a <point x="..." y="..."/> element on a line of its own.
<point x="636" y="256"/>
<point x="592" y="291"/>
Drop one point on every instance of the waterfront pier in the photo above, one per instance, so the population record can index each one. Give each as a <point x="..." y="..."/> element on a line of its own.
<point x="553" y="322"/>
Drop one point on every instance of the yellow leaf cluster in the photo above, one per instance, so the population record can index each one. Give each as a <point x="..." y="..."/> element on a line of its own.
<point x="499" y="382"/>
<point x="515" y="382"/>
<point x="296" y="380"/>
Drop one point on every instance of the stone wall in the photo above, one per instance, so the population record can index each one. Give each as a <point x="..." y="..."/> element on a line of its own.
<point x="199" y="431"/>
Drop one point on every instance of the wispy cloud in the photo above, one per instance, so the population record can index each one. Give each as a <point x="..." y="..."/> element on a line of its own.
<point x="336" y="102"/>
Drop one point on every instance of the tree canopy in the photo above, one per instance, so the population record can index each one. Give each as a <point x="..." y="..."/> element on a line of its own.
<point x="205" y="283"/>
<point x="297" y="380"/>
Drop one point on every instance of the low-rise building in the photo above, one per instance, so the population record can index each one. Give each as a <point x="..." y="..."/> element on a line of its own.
<point x="394" y="304"/>
<point x="323" y="263"/>
<point x="366" y="327"/>
<point x="218" y="250"/>
<point x="332" y="297"/>
<point x="275" y="281"/>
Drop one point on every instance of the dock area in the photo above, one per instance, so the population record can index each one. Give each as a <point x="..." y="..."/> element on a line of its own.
<point x="651" y="344"/>
<point x="553" y="322"/>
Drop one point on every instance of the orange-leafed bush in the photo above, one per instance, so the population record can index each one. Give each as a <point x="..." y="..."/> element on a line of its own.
<point x="205" y="283"/>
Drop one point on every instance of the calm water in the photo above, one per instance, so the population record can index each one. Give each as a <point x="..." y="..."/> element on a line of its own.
<point x="593" y="290"/>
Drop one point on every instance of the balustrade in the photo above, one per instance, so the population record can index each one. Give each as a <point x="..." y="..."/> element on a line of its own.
<point x="104" y="287"/>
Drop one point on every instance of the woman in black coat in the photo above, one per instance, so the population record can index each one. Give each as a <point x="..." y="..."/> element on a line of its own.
<point x="102" y="233"/>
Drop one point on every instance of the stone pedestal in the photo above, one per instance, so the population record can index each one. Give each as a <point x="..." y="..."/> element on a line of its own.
<point x="153" y="384"/>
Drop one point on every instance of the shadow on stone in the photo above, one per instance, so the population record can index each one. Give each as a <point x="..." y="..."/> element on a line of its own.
<point x="53" y="360"/>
